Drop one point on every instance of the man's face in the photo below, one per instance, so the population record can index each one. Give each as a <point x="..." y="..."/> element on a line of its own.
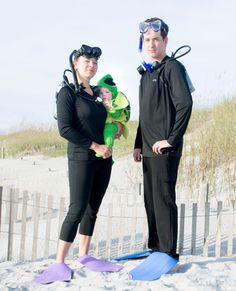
<point x="154" y="45"/>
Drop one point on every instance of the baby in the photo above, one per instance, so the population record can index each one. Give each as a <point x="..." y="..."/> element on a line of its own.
<point x="118" y="109"/>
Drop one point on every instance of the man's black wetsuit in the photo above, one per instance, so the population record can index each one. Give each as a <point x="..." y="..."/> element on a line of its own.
<point x="165" y="108"/>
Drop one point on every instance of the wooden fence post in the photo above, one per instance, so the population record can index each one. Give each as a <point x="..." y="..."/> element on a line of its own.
<point x="35" y="225"/>
<point x="218" y="228"/>
<point x="0" y="208"/>
<point x="207" y="192"/>
<point x="11" y="226"/>
<point x="109" y="229"/>
<point x="206" y="229"/>
<point x="134" y="225"/>
<point x="48" y="227"/>
<point x="15" y="204"/>
<point x="194" y="229"/>
<point x="61" y="214"/>
<point x="231" y="228"/>
<point x="181" y="228"/>
<point x="23" y="225"/>
<point x="140" y="189"/>
<point x="7" y="212"/>
<point x="122" y="214"/>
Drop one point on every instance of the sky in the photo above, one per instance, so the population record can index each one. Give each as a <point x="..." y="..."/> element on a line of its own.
<point x="38" y="36"/>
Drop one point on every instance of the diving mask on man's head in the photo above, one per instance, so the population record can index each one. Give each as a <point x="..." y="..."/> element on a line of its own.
<point x="156" y="24"/>
<point x="88" y="52"/>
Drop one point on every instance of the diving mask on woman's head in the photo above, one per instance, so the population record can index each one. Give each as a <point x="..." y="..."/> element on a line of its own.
<point x="88" y="51"/>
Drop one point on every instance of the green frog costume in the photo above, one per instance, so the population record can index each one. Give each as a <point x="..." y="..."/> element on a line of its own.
<point x="119" y="112"/>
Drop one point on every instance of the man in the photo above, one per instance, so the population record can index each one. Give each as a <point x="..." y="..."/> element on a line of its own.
<point x="165" y="107"/>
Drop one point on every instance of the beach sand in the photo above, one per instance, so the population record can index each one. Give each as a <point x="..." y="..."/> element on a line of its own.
<point x="194" y="273"/>
<point x="49" y="176"/>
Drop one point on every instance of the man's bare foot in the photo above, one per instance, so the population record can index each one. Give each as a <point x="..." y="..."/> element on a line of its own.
<point x="174" y="269"/>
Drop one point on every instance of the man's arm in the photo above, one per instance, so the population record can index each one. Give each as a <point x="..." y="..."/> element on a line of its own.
<point x="182" y="100"/>
<point x="138" y="145"/>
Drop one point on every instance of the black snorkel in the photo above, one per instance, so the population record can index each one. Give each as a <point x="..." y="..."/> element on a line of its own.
<point x="78" y="86"/>
<point x="173" y="55"/>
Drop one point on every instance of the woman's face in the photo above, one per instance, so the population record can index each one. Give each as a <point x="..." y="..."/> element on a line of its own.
<point x="86" y="68"/>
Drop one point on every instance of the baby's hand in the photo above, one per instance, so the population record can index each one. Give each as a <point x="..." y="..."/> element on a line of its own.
<point x="107" y="103"/>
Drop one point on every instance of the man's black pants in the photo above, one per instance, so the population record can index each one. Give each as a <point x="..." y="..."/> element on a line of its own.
<point x="160" y="175"/>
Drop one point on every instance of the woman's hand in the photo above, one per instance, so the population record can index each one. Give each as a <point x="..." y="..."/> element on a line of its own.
<point x="159" y="146"/>
<point x="120" y="130"/>
<point x="101" y="149"/>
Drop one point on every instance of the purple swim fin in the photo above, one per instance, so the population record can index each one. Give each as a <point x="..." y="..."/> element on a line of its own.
<point x="98" y="265"/>
<point x="55" y="272"/>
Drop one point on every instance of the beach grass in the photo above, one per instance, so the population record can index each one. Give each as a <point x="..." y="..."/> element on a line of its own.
<point x="209" y="148"/>
<point x="209" y="142"/>
<point x="47" y="141"/>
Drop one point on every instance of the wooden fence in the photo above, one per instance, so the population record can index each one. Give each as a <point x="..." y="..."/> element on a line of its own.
<point x="30" y="225"/>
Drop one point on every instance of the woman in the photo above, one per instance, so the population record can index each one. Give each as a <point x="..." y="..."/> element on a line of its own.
<point x="81" y="119"/>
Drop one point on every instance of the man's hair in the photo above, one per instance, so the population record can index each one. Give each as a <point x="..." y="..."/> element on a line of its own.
<point x="165" y="28"/>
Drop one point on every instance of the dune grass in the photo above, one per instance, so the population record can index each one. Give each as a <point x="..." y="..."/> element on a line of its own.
<point x="34" y="140"/>
<point x="209" y="150"/>
<point x="47" y="141"/>
<point x="209" y="142"/>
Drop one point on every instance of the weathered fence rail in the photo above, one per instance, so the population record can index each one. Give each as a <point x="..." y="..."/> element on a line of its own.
<point x="30" y="225"/>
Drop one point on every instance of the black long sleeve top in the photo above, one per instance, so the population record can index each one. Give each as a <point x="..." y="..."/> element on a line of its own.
<point x="165" y="105"/>
<point x="81" y="121"/>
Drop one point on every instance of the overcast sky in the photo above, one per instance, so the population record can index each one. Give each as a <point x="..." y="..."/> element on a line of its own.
<point x="38" y="36"/>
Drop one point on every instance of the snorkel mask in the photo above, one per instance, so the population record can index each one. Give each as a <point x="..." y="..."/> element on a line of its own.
<point x="88" y="52"/>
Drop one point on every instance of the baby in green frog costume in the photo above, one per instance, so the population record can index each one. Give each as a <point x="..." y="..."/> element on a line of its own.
<point x="118" y="109"/>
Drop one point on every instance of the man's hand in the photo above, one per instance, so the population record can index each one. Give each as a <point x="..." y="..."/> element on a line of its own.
<point x="159" y="146"/>
<point x="137" y="155"/>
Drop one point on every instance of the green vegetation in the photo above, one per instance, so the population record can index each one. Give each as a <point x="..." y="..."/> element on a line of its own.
<point x="209" y="143"/>
<point x="47" y="141"/>
<point x="34" y="140"/>
<point x="209" y="150"/>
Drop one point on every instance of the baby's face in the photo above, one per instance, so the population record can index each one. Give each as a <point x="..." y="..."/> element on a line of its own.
<point x="105" y="93"/>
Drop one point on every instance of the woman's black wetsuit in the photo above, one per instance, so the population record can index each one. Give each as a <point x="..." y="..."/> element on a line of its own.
<point x="81" y="121"/>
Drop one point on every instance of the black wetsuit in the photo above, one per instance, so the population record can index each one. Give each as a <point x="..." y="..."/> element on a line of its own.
<point x="81" y="121"/>
<point x="165" y="109"/>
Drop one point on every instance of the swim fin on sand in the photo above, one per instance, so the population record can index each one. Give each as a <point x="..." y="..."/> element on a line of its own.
<point x="134" y="256"/>
<point x="55" y="272"/>
<point x="156" y="265"/>
<point x="98" y="265"/>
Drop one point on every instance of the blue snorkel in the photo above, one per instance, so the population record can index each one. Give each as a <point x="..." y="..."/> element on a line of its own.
<point x="146" y="66"/>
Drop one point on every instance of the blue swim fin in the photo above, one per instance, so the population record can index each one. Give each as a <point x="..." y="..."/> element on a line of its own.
<point x="153" y="267"/>
<point x="133" y="256"/>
